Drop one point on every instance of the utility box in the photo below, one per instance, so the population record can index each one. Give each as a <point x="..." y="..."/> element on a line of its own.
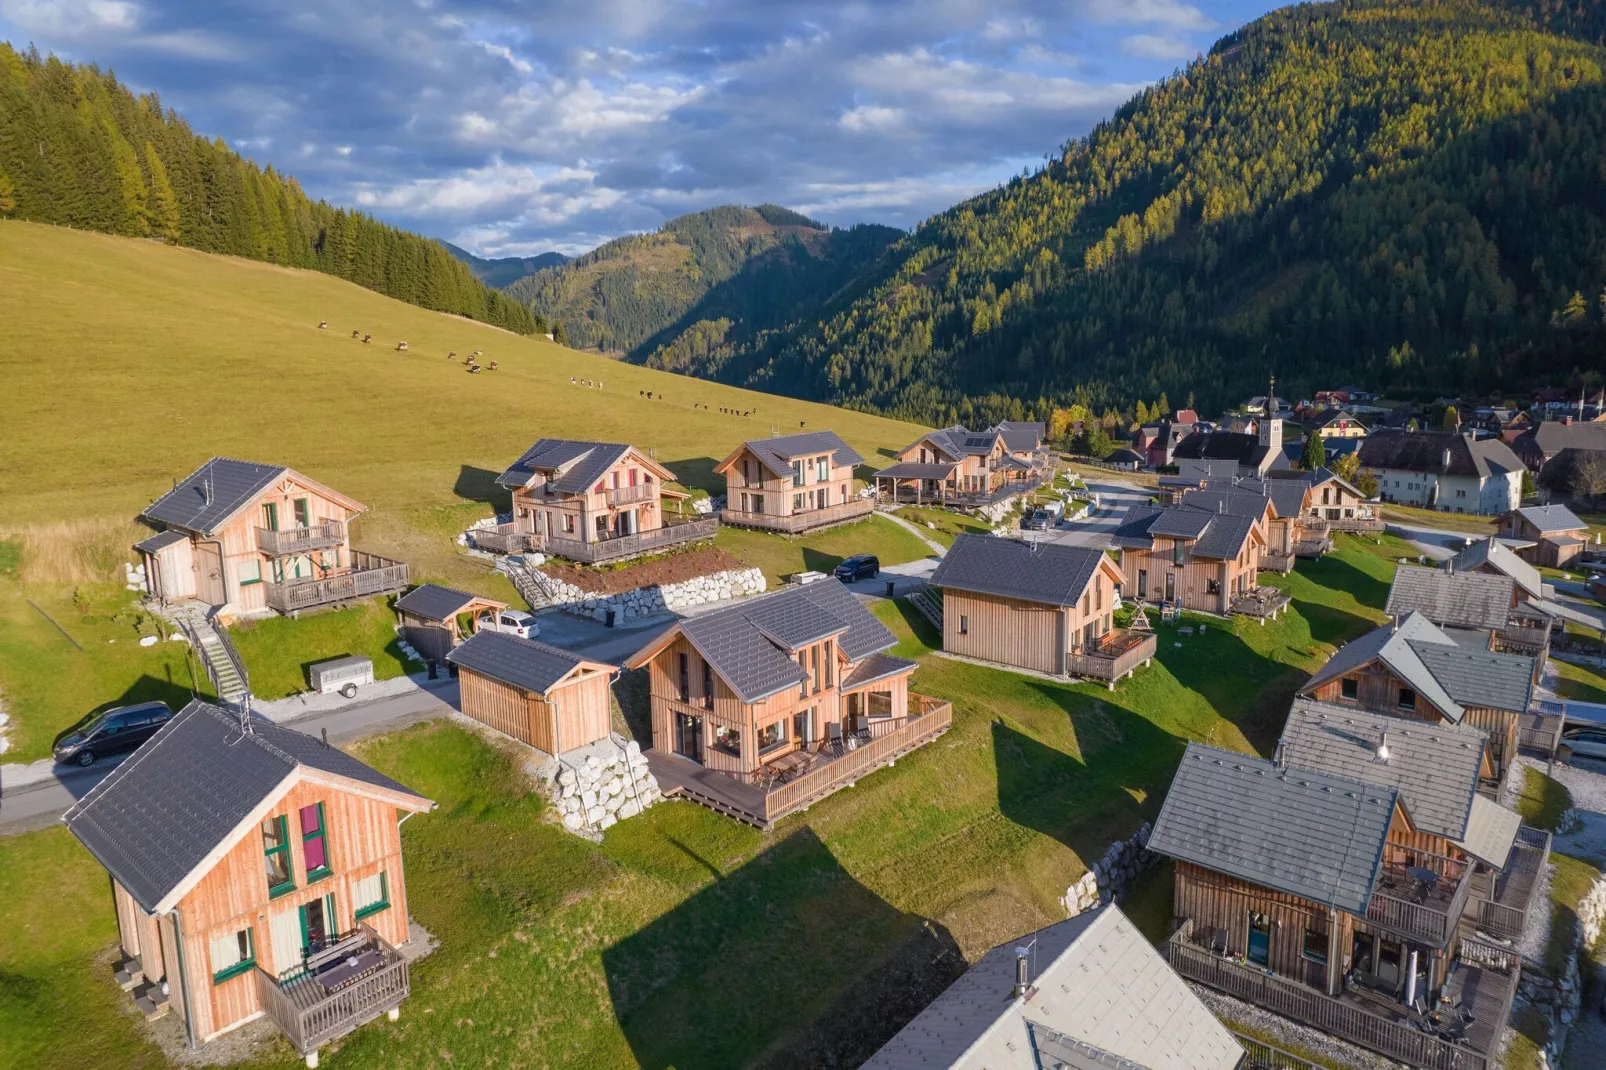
<point x="344" y="675"/>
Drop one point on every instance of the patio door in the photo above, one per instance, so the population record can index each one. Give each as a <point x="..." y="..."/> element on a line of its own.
<point x="1170" y="586"/>
<point x="689" y="736"/>
<point x="1143" y="584"/>
<point x="285" y="929"/>
<point x="1259" y="951"/>
<point x="627" y="522"/>
<point x="803" y="727"/>
<point x="318" y="927"/>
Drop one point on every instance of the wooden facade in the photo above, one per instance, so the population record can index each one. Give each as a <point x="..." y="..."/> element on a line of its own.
<point x="361" y="840"/>
<point x="1550" y="549"/>
<point x="434" y="639"/>
<point x="572" y="713"/>
<point x="625" y="500"/>
<point x="1201" y="584"/>
<point x="816" y="487"/>
<point x="293" y="532"/>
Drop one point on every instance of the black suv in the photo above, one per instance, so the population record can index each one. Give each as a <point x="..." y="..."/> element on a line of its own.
<point x="113" y="732"/>
<point x="858" y="567"/>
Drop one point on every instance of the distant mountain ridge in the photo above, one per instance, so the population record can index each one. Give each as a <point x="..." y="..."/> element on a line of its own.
<point x="701" y="278"/>
<point x="499" y="272"/>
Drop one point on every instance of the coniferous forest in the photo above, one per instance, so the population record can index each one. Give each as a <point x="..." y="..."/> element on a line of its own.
<point x="78" y="149"/>
<point x="1409" y="194"/>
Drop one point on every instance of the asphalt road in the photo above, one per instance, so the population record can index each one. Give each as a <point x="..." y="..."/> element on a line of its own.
<point x="1114" y="498"/>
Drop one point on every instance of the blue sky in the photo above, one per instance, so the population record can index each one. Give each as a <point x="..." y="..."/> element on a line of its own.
<point x="513" y="128"/>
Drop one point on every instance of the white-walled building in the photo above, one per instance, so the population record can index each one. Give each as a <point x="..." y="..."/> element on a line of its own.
<point x="1445" y="471"/>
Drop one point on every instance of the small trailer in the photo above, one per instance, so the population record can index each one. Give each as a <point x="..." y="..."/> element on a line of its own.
<point x="344" y="675"/>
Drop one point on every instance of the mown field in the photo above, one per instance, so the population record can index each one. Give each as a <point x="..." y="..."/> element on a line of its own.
<point x="128" y="363"/>
<point x="839" y="925"/>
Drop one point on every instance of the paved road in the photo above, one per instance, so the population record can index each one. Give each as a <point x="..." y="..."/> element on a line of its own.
<point x="38" y="805"/>
<point x="1115" y="498"/>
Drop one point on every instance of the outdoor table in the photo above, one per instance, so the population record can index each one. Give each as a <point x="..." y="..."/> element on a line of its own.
<point x="349" y="970"/>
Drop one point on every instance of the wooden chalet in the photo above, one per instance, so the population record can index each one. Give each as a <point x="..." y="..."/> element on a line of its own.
<point x="592" y="502"/>
<point x="250" y="537"/>
<point x="1307" y="508"/>
<point x="1492" y="557"/>
<point x="1553" y="533"/>
<point x="434" y="619"/>
<point x="257" y="872"/>
<point x="959" y="467"/>
<point x="792" y="483"/>
<point x="764" y="707"/>
<point x="539" y="694"/>
<point x="1412" y="669"/>
<point x="1478" y="608"/>
<point x="1044" y="607"/>
<point x="1090" y="991"/>
<point x="1326" y="899"/>
<point x="1204" y="560"/>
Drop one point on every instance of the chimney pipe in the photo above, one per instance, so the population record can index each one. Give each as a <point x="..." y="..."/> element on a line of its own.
<point x="1447" y="458"/>
<point x="1383" y="748"/>
<point x="1023" y="972"/>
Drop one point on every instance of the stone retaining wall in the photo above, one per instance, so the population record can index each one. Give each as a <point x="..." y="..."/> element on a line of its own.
<point x="668" y="597"/>
<point x="1107" y="879"/>
<point x="1559" y="999"/>
<point x="596" y="786"/>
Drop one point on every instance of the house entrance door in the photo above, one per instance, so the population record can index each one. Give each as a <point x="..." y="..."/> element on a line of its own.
<point x="1259" y="950"/>
<point x="689" y="737"/>
<point x="627" y="522"/>
<point x="209" y="574"/>
<point x="318" y="929"/>
<point x="1170" y="586"/>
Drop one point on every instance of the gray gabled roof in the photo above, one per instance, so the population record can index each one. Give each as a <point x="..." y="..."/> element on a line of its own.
<point x="1306" y="833"/>
<point x="1225" y="537"/>
<point x="526" y="663"/>
<point x="777" y="454"/>
<point x="1219" y="446"/>
<point x="1476" y="677"/>
<point x="1048" y="573"/>
<point x="1434" y="767"/>
<point x="875" y="668"/>
<point x="157" y="816"/>
<point x="1490" y="833"/>
<point x="750" y="644"/>
<point x="586" y="461"/>
<point x="1099" y="996"/>
<point x="917" y="470"/>
<point x="1456" y="599"/>
<point x="1397" y="644"/>
<point x="204" y="500"/>
<point x="431" y="601"/>
<point x="1425" y="451"/>
<point x="1496" y="555"/>
<point x="161" y="541"/>
<point x="1551" y="518"/>
<point x="1215" y="535"/>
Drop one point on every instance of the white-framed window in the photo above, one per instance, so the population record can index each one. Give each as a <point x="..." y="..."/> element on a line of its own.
<point x="248" y="571"/>
<point x="799" y="473"/>
<point x="822" y="469"/>
<point x="370" y="895"/>
<point x="232" y="954"/>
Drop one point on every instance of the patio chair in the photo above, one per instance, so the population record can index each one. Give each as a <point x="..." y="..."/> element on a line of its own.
<point x="1218" y="942"/>
<point x="833" y="734"/>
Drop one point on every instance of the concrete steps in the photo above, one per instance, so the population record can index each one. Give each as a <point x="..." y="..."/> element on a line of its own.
<point x="128" y="973"/>
<point x="152" y="1002"/>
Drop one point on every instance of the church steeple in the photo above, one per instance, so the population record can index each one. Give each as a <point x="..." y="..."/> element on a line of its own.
<point x="1271" y="425"/>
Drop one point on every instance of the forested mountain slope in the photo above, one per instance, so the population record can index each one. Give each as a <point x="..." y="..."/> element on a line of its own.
<point x="725" y="272"/>
<point x="78" y="149"/>
<point x="503" y="271"/>
<point x="1408" y="194"/>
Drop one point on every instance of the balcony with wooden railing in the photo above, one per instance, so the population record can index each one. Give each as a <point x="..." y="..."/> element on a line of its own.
<point x="1501" y="901"/>
<point x="1115" y="655"/>
<point x="807" y="520"/>
<point x="766" y="795"/>
<point x="1462" y="1033"/>
<point x="336" y="990"/>
<point x="291" y="541"/>
<point x="1424" y="910"/>
<point x="641" y="492"/>
<point x="368" y="575"/>
<point x="618" y="547"/>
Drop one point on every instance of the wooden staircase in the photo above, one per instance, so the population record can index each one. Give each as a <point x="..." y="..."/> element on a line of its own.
<point x="928" y="600"/>
<point x="531" y="583"/>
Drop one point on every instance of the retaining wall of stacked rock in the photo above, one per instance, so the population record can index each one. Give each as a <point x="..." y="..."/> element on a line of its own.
<point x="670" y="597"/>
<point x="1559" y="999"/>
<point x="598" y="785"/>
<point x="1107" y="879"/>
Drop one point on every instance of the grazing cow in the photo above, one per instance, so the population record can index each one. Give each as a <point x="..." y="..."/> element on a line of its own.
<point x="493" y="366"/>
<point x="365" y="338"/>
<point x="479" y="352"/>
<point x="471" y="368"/>
<point x="572" y="380"/>
<point x="323" y="325"/>
<point x="355" y="333"/>
<point x="452" y="355"/>
<point x="401" y="347"/>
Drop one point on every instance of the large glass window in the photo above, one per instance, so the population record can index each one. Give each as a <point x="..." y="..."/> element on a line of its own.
<point x="822" y="469"/>
<point x="1407" y="699"/>
<point x="1179" y="553"/>
<point x="685" y="677"/>
<point x="1315" y="945"/>
<point x="799" y="473"/>
<point x="879" y="704"/>
<point x="728" y="740"/>
<point x="232" y="955"/>
<point x="249" y="571"/>
<point x="303" y="513"/>
<point x="276" y="856"/>
<point x="771" y="736"/>
<point x="708" y="685"/>
<point x="314" y="842"/>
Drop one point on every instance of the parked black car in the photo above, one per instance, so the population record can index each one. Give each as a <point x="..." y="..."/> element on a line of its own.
<point x="858" y="567"/>
<point x="113" y="732"/>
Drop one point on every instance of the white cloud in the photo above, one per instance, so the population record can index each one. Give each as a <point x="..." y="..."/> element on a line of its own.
<point x="867" y="119"/>
<point x="116" y="14"/>
<point x="1172" y="13"/>
<point x="523" y="66"/>
<point x="1150" y="46"/>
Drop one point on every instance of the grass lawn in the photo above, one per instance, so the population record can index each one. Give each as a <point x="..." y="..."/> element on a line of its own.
<point x="846" y="919"/>
<point x="278" y="650"/>
<point x="1542" y="800"/>
<point x="781" y="556"/>
<point x="1574" y="877"/>
<point x="65" y="653"/>
<point x="948" y="525"/>
<point x="1432" y="518"/>
<point x="1579" y="682"/>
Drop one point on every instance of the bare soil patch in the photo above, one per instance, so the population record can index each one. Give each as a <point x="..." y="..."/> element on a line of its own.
<point x="675" y="568"/>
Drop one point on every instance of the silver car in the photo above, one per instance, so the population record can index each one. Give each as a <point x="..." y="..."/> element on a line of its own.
<point x="1586" y="742"/>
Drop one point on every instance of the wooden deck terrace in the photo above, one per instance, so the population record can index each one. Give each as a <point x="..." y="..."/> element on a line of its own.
<point x="1540" y="732"/>
<point x="1461" y="1031"/>
<point x="1429" y="912"/>
<point x="796" y="523"/>
<point x="1359" y="525"/>
<point x="1117" y="655"/>
<point x="292" y="541"/>
<point x="312" y="1012"/>
<point x="1262" y="602"/>
<point x="1281" y="564"/>
<point x="502" y="539"/>
<point x="902" y="494"/>
<point x="761" y="801"/>
<point x="1501" y="901"/>
<point x="369" y="575"/>
<point x="1313" y="547"/>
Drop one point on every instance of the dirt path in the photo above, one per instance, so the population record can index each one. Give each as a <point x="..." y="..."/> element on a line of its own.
<point x="937" y="548"/>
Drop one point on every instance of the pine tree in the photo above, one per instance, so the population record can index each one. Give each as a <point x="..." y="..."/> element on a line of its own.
<point x="163" y="204"/>
<point x="1314" y="455"/>
<point x="8" y="196"/>
<point x="560" y="334"/>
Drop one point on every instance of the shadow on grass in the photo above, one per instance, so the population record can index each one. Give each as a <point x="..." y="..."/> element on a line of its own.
<point x="1339" y="574"/>
<point x="925" y="632"/>
<point x="175" y="693"/>
<point x="1242" y="685"/>
<point x="698" y="473"/>
<point x="819" y="560"/>
<point x="840" y="969"/>
<point x="479" y="485"/>
<point x="1332" y="626"/>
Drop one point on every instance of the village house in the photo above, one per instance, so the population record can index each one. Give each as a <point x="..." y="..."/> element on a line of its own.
<point x="256" y="871"/>
<point x="251" y="538"/>
<point x="792" y="483"/>
<point x="1158" y="442"/>
<point x="1048" y="608"/>
<point x="1090" y="991"/>
<point x="1225" y="454"/>
<point x="1551" y="449"/>
<point x="1554" y="533"/>
<point x="957" y="466"/>
<point x="1411" y="668"/>
<point x="1321" y="896"/>
<point x="1480" y="609"/>
<point x="1505" y="424"/>
<point x="1445" y="471"/>
<point x="1331" y="423"/>
<point x="591" y="502"/>
<point x="1492" y="557"/>
<point x="1305" y="509"/>
<point x="537" y="693"/>
<point x="1198" y="559"/>
<point x="762" y="708"/>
